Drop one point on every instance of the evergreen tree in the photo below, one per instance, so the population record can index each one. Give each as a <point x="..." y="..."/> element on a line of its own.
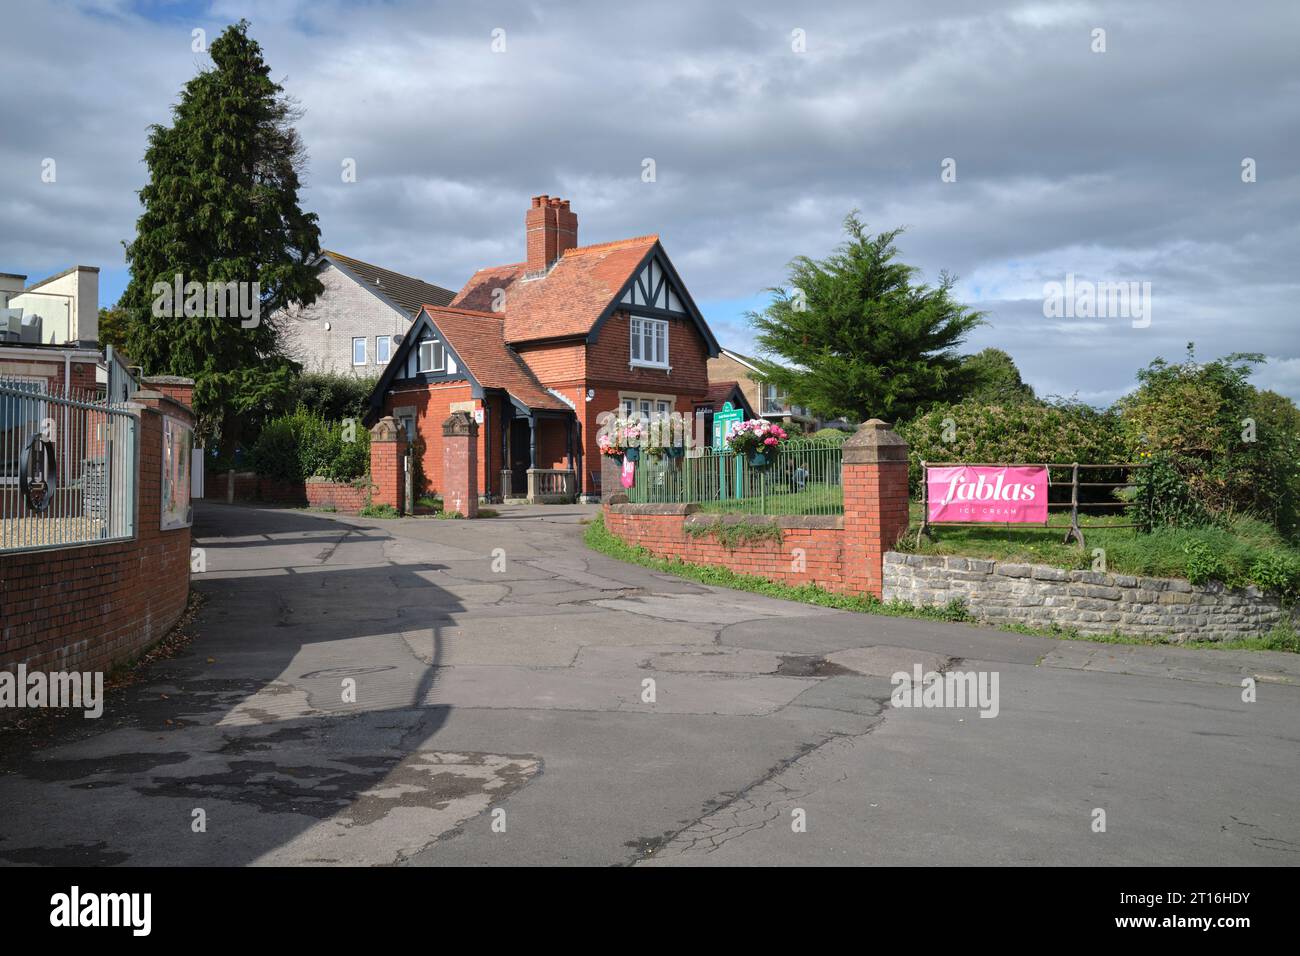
<point x="859" y="338"/>
<point x="997" y="380"/>
<point x="221" y="206"/>
<point x="112" y="327"/>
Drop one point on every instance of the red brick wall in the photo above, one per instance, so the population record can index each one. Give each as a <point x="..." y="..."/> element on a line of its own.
<point x="847" y="559"/>
<point x="607" y="360"/>
<point x="822" y="561"/>
<point x="432" y="404"/>
<point x="387" y="471"/>
<point x="552" y="443"/>
<point x="175" y="390"/>
<point x="94" y="606"/>
<point x="348" y="499"/>
<point x="875" y="516"/>
<point x="557" y="364"/>
<point x="49" y="366"/>
<point x="460" y="474"/>
<point x="250" y="486"/>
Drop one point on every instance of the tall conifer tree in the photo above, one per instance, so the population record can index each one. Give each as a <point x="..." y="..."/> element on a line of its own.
<point x="221" y="205"/>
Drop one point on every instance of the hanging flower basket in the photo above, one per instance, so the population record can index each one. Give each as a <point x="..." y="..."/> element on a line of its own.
<point x="617" y="436"/>
<point x="757" y="439"/>
<point x="631" y="454"/>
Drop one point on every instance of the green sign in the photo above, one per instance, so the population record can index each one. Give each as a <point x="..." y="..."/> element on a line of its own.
<point x="722" y="421"/>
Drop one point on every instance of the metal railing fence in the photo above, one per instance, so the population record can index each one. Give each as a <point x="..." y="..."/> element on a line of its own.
<point x="67" y="467"/>
<point x="804" y="477"/>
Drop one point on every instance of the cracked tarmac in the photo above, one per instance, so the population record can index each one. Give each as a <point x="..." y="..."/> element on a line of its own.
<point x="374" y="692"/>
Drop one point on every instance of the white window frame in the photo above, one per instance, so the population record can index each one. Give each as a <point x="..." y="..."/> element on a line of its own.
<point x="419" y="355"/>
<point x="780" y="407"/>
<point x="645" y="407"/>
<point x="645" y="331"/>
<point x="388" y="347"/>
<point x="364" y="349"/>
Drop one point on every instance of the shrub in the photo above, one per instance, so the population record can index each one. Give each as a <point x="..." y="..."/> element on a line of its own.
<point x="419" y="481"/>
<point x="278" y="451"/>
<point x="1164" y="498"/>
<point x="1205" y="564"/>
<point x="352" y="460"/>
<point x="1237" y="448"/>
<point x="1278" y="572"/>
<point x="334" y="397"/>
<point x="1020" y="432"/>
<point x="302" y="445"/>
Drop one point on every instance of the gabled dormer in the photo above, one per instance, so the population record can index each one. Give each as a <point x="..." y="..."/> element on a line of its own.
<point x="652" y="289"/>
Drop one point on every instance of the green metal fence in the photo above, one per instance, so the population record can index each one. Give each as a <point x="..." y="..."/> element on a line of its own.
<point x="804" y="478"/>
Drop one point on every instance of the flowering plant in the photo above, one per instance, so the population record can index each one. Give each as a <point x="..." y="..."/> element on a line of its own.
<point x="619" y="435"/>
<point x="755" y="436"/>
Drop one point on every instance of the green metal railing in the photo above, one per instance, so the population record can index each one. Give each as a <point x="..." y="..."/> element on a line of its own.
<point x="803" y="478"/>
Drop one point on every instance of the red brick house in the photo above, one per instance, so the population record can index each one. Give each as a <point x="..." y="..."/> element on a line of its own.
<point x="538" y="349"/>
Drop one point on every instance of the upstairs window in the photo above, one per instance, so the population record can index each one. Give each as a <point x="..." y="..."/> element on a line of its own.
<point x="382" y="345"/>
<point x="774" y="402"/>
<point x="432" y="356"/>
<point x="359" y="351"/>
<point x="649" y="342"/>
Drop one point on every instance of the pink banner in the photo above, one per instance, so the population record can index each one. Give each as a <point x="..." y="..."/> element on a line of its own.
<point x="979" y="493"/>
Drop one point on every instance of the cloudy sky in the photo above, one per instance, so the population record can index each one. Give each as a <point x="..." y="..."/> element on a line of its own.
<point x="766" y="122"/>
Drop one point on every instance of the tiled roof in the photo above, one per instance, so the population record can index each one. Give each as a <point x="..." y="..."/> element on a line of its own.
<point x="406" y="293"/>
<point x="721" y="392"/>
<point x="567" y="300"/>
<point x="477" y="337"/>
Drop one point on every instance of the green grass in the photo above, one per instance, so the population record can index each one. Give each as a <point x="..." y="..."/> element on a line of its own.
<point x="1245" y="551"/>
<point x="813" y="500"/>
<point x="733" y="535"/>
<point x="601" y="539"/>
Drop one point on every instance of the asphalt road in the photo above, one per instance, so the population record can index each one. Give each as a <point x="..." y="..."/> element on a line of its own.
<point x="431" y="692"/>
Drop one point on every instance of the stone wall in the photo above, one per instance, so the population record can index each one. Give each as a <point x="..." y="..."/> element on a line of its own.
<point x="1090" y="602"/>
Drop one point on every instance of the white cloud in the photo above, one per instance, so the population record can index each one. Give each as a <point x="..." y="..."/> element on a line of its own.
<point x="1122" y="165"/>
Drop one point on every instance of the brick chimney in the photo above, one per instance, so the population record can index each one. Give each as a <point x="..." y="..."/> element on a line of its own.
<point x="551" y="227"/>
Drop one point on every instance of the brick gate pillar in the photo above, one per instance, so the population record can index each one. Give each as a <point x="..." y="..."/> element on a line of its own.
<point x="460" y="464"/>
<point x="387" y="449"/>
<point x="875" y="502"/>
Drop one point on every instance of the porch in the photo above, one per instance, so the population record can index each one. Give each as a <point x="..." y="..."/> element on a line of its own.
<point x="541" y="458"/>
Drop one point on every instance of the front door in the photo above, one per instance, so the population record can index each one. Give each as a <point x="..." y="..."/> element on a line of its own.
<point x="519" y="456"/>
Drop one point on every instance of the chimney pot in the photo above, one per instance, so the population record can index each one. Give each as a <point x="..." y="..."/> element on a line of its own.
<point x="550" y="228"/>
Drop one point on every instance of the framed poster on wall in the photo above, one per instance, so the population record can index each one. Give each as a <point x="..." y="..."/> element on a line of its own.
<point x="177" y="460"/>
